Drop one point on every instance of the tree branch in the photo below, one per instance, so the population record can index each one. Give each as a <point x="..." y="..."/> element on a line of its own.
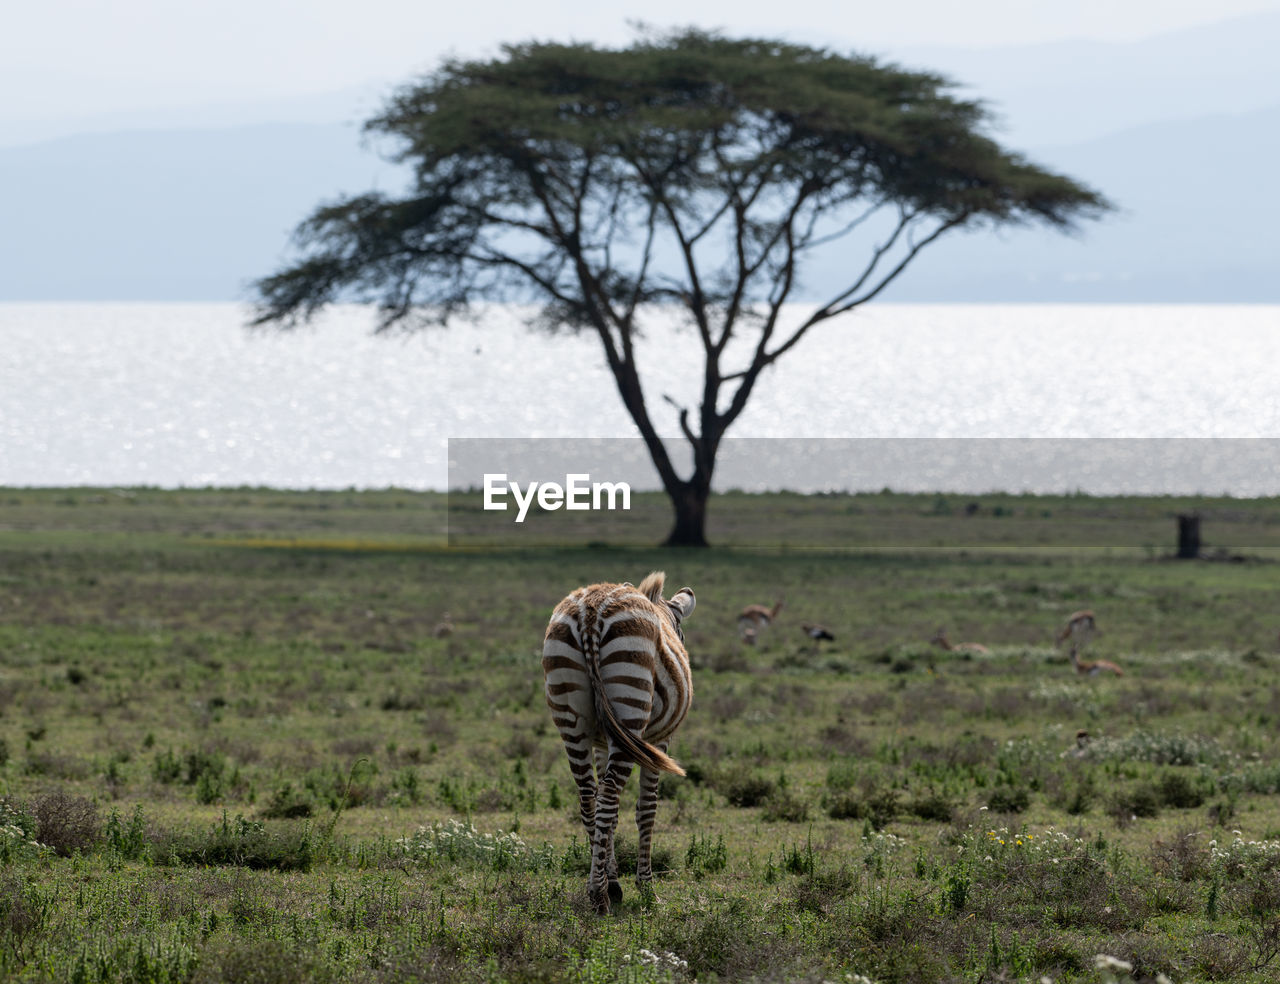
<point x="889" y="277"/>
<point x="637" y="288"/>
<point x="684" y="421"/>
<point x="828" y="311"/>
<point x="808" y="243"/>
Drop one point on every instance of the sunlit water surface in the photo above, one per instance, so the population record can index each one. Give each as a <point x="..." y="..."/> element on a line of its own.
<point x="184" y="395"/>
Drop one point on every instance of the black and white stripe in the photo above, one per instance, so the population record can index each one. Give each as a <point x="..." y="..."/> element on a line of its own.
<point x="618" y="685"/>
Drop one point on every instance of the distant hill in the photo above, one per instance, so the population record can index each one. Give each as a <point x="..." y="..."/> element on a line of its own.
<point x="1198" y="220"/>
<point x="1182" y="131"/>
<point x="168" y="214"/>
<point x="1070" y="92"/>
<point x="195" y="215"/>
<point x="351" y="106"/>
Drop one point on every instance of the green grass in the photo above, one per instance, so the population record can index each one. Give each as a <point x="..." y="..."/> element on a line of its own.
<point x="243" y="752"/>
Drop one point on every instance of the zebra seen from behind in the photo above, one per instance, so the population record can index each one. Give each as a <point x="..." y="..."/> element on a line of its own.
<point x="618" y="685"/>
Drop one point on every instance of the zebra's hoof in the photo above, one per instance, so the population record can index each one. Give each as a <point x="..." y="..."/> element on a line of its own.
<point x="615" y="890"/>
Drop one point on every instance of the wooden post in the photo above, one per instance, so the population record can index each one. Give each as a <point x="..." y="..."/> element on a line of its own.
<point x="1188" y="536"/>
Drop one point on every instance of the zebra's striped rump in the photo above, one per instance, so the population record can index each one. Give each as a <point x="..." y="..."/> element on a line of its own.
<point x="618" y="685"/>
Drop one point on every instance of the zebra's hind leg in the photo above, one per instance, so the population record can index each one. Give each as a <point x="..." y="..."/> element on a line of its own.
<point x="646" y="812"/>
<point x="608" y="791"/>
<point x="578" y="748"/>
<point x="611" y="866"/>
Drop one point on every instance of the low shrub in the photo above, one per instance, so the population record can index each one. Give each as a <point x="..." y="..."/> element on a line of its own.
<point x="240" y="843"/>
<point x="289" y="803"/>
<point x="703" y="857"/>
<point x="879" y="806"/>
<point x="461" y="844"/>
<point x="259" y="962"/>
<point x="1177" y="790"/>
<point x="127" y="839"/>
<point x="627" y="854"/>
<point x="1185" y="856"/>
<point x="64" y="822"/>
<point x="846" y="806"/>
<point x="1009" y="799"/>
<point x="743" y="787"/>
<point x="25" y="912"/>
<point x="932" y="806"/>
<point x="1142" y="800"/>
<point x="782" y="804"/>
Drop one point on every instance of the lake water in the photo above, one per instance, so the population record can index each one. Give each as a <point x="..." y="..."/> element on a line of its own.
<point x="183" y="395"/>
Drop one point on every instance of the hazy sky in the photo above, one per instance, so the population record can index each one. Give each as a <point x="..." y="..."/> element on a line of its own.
<point x="69" y="58"/>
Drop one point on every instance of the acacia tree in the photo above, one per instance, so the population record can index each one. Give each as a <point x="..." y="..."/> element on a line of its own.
<point x="690" y="170"/>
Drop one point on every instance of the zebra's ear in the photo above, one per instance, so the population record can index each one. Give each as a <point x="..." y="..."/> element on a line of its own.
<point x="683" y="602"/>
<point x="651" y="586"/>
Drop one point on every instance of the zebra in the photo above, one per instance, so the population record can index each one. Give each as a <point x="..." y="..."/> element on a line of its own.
<point x="618" y="685"/>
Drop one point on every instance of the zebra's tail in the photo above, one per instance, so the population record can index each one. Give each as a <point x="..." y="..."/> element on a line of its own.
<point x="639" y="751"/>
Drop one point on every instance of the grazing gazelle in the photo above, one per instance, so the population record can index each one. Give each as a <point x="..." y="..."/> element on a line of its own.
<point x="1080" y="628"/>
<point x="1087" y="667"/>
<point x="754" y="619"/>
<point x="818" y="632"/>
<point x="940" y="639"/>
<point x="618" y="685"/>
<point x="1081" y="749"/>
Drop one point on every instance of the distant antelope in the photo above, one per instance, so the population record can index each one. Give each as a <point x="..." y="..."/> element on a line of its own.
<point x="754" y="619"/>
<point x="443" y="628"/>
<point x="940" y="639"/>
<point x="818" y="632"/>
<point x="1080" y="628"/>
<point x="618" y="685"/>
<point x="1087" y="667"/>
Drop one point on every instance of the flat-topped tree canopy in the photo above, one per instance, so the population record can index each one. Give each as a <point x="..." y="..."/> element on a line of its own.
<point x="687" y="169"/>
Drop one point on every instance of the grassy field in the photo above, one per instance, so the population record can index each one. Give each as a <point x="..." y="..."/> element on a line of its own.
<point x="237" y="744"/>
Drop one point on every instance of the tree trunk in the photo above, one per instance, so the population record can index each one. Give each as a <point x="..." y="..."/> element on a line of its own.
<point x="1188" y="536"/>
<point x="690" y="505"/>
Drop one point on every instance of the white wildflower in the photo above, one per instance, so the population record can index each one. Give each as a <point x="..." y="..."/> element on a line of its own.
<point x="650" y="959"/>
<point x="1114" y="964"/>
